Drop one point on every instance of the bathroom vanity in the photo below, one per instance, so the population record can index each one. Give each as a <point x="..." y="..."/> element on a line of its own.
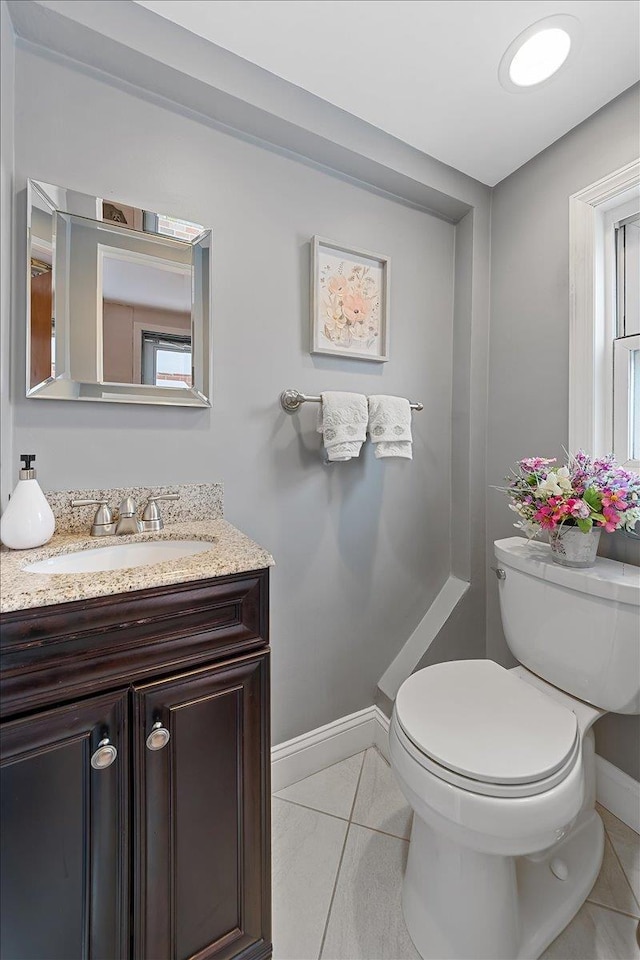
<point x="135" y="758"/>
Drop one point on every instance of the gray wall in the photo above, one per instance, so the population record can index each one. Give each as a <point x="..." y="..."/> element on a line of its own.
<point x="529" y="337"/>
<point x="361" y="548"/>
<point x="7" y="60"/>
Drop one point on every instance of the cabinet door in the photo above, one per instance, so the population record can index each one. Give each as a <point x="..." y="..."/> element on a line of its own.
<point x="64" y="827"/>
<point x="203" y="869"/>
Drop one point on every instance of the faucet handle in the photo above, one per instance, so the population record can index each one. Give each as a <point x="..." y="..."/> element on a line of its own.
<point x="102" y="525"/>
<point x="151" y="519"/>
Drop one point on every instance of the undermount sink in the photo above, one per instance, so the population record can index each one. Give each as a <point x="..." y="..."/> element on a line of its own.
<point x="120" y="557"/>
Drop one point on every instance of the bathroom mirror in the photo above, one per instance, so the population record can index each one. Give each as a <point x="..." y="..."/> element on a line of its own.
<point x="118" y="301"/>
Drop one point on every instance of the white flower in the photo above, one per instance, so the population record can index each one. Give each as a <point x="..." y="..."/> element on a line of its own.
<point x="549" y="487"/>
<point x="557" y="482"/>
<point x="564" y="480"/>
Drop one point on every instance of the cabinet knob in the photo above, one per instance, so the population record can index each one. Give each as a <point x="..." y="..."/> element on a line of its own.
<point x="159" y="737"/>
<point x="104" y="755"/>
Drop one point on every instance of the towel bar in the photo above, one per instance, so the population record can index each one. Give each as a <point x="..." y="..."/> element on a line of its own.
<point x="292" y="400"/>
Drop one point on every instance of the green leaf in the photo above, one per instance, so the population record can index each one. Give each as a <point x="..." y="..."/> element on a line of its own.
<point x="593" y="497"/>
<point x="585" y="525"/>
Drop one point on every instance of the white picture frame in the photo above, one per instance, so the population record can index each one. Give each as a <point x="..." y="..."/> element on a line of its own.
<point x="349" y="302"/>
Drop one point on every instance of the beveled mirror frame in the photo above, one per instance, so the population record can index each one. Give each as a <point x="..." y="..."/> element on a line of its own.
<point x="62" y="386"/>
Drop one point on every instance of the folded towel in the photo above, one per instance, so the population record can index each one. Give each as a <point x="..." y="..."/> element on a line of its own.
<point x="390" y="426"/>
<point x="342" y="421"/>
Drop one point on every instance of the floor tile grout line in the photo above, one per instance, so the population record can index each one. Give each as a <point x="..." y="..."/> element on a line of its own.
<point x="621" y="865"/>
<point x="383" y="833"/>
<point x="344" y="847"/>
<point x="606" y="906"/>
<point x="334" y="816"/>
<point x="355" y="795"/>
<point x="355" y="823"/>
<point x="296" y="803"/>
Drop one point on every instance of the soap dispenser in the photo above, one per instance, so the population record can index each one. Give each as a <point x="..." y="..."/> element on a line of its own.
<point x="28" y="520"/>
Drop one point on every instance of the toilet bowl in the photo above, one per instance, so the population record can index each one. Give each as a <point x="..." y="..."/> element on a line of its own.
<point x="499" y="765"/>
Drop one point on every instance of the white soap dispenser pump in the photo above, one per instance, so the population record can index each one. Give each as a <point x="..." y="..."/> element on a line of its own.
<point x="28" y="520"/>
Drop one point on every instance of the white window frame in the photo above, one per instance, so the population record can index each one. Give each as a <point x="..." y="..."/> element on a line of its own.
<point x="593" y="213"/>
<point x="621" y="383"/>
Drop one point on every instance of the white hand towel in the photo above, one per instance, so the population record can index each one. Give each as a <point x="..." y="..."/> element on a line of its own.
<point x="342" y="421"/>
<point x="390" y="426"/>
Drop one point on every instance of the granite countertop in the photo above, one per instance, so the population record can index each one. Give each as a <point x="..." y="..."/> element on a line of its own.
<point x="231" y="552"/>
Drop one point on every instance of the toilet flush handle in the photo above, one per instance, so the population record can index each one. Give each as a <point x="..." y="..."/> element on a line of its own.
<point x="500" y="573"/>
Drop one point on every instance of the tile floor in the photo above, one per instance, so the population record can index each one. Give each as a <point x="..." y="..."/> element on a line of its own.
<point x="340" y="841"/>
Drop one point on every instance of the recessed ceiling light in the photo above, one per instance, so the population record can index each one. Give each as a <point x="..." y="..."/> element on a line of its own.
<point x="537" y="54"/>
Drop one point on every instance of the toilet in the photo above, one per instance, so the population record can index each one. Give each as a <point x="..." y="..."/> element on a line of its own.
<point x="499" y="765"/>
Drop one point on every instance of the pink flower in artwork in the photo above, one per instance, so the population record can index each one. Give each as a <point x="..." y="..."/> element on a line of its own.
<point x="356" y="308"/>
<point x="339" y="286"/>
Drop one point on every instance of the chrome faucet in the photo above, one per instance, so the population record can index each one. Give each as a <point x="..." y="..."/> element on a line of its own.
<point x="127" y="523"/>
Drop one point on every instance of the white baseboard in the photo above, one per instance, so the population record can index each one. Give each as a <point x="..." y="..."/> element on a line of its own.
<point x="618" y="792"/>
<point x="320" y="748"/>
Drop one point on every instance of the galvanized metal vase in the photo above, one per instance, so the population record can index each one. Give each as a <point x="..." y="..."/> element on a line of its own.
<point x="573" y="548"/>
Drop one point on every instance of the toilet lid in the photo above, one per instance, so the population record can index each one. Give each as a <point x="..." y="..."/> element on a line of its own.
<point x="476" y="718"/>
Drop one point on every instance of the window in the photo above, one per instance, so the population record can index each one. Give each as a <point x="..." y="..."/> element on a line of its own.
<point x="604" y="374"/>
<point x="626" y="357"/>
<point x="166" y="360"/>
<point x="171" y="226"/>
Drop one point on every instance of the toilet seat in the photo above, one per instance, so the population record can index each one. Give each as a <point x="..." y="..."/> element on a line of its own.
<point x="476" y="725"/>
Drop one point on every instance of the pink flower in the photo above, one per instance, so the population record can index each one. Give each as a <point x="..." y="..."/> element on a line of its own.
<point x="544" y="516"/>
<point x="612" y="519"/>
<point x="356" y="308"/>
<point x="580" y="509"/>
<point x="338" y="285"/>
<point x="535" y="464"/>
<point x="615" y="498"/>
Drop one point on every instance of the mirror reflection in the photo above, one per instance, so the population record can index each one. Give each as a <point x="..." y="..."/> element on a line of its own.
<point x="119" y="306"/>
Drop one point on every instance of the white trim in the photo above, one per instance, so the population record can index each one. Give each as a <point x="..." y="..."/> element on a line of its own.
<point x="618" y="792"/>
<point x="320" y="748"/>
<point x="423" y="636"/>
<point x="624" y="400"/>
<point x="590" y="349"/>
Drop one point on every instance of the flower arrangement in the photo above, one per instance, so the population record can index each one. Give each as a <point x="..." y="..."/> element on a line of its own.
<point x="585" y="493"/>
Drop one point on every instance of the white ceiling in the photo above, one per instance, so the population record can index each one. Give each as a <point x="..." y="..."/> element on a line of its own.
<point x="426" y="71"/>
<point x="143" y="285"/>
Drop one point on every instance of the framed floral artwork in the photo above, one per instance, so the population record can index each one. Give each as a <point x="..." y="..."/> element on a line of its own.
<point x="349" y="302"/>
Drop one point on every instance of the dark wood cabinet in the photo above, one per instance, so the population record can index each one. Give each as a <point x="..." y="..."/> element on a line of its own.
<point x="203" y="840"/>
<point x="165" y="852"/>
<point x="64" y="850"/>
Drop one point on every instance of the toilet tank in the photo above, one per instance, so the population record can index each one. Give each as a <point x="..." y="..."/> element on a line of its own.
<point x="579" y="629"/>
